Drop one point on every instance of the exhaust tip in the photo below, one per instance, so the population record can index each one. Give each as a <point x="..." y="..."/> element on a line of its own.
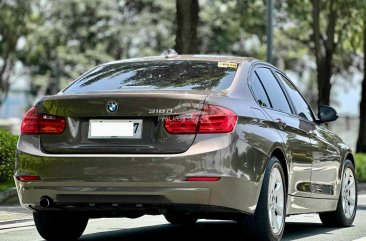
<point x="45" y="202"/>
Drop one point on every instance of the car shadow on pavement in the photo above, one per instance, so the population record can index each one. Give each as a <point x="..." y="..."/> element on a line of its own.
<point x="200" y="231"/>
<point x="219" y="230"/>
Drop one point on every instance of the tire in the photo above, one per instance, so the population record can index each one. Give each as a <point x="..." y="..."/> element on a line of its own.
<point x="344" y="216"/>
<point x="57" y="226"/>
<point x="180" y="219"/>
<point x="260" y="226"/>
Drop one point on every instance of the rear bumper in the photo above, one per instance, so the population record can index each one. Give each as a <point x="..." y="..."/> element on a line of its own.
<point x="123" y="180"/>
<point x="229" y="193"/>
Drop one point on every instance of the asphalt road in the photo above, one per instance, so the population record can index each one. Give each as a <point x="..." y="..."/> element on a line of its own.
<point x="301" y="227"/>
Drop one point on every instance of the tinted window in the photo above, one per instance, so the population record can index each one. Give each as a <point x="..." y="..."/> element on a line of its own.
<point x="273" y="89"/>
<point x="302" y="108"/>
<point x="151" y="75"/>
<point x="259" y="92"/>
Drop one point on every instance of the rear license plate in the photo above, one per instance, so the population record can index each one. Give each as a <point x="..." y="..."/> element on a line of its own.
<point x="129" y="129"/>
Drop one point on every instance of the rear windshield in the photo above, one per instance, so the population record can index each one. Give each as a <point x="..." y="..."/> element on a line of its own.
<point x="167" y="75"/>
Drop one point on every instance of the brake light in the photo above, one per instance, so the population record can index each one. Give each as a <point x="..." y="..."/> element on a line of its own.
<point x="34" y="123"/>
<point x="203" y="179"/>
<point x="212" y="119"/>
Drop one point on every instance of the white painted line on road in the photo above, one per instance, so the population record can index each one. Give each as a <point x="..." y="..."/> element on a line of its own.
<point x="16" y="229"/>
<point x="360" y="239"/>
<point x="16" y="225"/>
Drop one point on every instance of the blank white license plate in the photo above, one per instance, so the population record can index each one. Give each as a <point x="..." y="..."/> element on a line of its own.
<point x="115" y="129"/>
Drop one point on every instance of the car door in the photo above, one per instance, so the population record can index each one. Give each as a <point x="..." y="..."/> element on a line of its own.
<point x="293" y="132"/>
<point x="325" y="155"/>
<point x="326" y="164"/>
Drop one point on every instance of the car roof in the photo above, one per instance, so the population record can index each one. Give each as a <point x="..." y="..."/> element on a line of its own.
<point x="195" y="57"/>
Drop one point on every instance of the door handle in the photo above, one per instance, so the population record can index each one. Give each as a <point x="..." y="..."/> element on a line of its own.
<point x="280" y="123"/>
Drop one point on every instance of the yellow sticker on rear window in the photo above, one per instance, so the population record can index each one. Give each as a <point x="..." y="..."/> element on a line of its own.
<point x="227" y="65"/>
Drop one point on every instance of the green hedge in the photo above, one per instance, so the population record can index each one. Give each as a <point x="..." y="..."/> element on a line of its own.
<point x="361" y="167"/>
<point x="8" y="145"/>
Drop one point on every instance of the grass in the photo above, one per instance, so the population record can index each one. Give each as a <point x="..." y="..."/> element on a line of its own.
<point x="6" y="185"/>
<point x="361" y="167"/>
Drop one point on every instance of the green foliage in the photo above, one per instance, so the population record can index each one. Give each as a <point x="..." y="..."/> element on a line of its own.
<point x="233" y="27"/>
<point x="8" y="143"/>
<point x="59" y="40"/>
<point x="361" y="167"/>
<point x="13" y="16"/>
<point x="6" y="185"/>
<point x="68" y="37"/>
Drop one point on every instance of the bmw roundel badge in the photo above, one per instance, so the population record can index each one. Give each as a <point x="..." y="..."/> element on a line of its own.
<point x="112" y="106"/>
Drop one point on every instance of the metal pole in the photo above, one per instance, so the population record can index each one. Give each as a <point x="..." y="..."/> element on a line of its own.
<point x="269" y="30"/>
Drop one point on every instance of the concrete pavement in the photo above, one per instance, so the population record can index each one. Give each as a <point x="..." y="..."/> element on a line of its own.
<point x="301" y="227"/>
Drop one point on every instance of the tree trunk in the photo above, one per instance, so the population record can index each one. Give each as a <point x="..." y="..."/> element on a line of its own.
<point x="324" y="75"/>
<point x="361" y="142"/>
<point x="186" y="41"/>
<point x="324" y="50"/>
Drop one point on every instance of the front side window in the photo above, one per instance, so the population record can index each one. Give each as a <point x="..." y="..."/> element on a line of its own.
<point x="302" y="108"/>
<point x="274" y="90"/>
<point x="155" y="75"/>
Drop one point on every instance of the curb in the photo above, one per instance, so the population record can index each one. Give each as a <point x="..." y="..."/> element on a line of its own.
<point x="12" y="192"/>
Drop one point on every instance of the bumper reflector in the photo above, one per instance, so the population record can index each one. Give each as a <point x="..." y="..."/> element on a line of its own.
<point x="203" y="179"/>
<point x="28" y="178"/>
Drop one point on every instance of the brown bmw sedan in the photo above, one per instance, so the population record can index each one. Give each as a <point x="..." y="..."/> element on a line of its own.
<point x="186" y="136"/>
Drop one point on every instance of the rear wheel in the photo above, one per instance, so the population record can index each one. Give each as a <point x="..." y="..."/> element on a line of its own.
<point x="54" y="226"/>
<point x="180" y="219"/>
<point x="268" y="221"/>
<point x="345" y="213"/>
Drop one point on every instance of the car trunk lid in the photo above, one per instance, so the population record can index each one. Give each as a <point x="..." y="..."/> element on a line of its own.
<point x="147" y="110"/>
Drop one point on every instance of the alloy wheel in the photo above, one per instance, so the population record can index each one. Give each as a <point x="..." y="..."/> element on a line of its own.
<point x="348" y="193"/>
<point x="276" y="201"/>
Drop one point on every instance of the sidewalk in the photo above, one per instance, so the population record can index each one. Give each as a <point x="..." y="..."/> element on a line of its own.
<point x="11" y="213"/>
<point x="14" y="214"/>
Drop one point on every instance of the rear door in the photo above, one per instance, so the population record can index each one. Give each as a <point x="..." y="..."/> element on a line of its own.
<point x="325" y="155"/>
<point x="292" y="130"/>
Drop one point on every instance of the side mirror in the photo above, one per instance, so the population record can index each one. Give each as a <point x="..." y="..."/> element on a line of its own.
<point x="326" y="114"/>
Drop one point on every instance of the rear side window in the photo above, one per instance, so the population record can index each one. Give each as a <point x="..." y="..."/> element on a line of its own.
<point x="258" y="91"/>
<point x="155" y="75"/>
<point x="302" y="108"/>
<point x="274" y="90"/>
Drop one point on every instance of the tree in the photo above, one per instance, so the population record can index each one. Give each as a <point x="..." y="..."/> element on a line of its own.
<point x="233" y="27"/>
<point x="68" y="37"/>
<point x="361" y="141"/>
<point x="326" y="34"/>
<point x="13" y="18"/>
<point x="186" y="41"/>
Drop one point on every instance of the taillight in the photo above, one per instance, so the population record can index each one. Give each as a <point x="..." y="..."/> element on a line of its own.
<point x="34" y="123"/>
<point x="30" y="122"/>
<point x="217" y="119"/>
<point x="182" y="124"/>
<point x="212" y="119"/>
